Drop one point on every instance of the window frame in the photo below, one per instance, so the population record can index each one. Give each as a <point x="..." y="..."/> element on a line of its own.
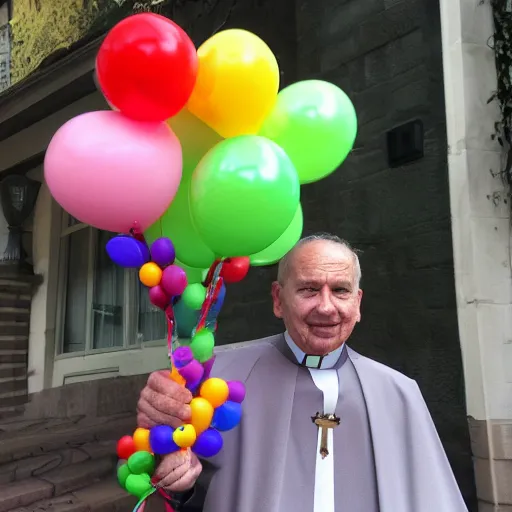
<point x="131" y="340"/>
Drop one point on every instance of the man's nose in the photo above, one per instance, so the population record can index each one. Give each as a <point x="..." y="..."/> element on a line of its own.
<point x="326" y="304"/>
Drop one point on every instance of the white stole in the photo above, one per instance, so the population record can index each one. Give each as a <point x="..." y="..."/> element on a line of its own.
<point x="327" y="382"/>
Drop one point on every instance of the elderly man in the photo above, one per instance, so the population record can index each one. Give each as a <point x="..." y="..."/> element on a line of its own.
<point x="324" y="429"/>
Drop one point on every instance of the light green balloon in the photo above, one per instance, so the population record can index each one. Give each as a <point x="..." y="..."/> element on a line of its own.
<point x="202" y="345"/>
<point x="194" y="275"/>
<point x="176" y="224"/>
<point x="244" y="194"/>
<point x="194" y="296"/>
<point x="273" y="253"/>
<point x="316" y="124"/>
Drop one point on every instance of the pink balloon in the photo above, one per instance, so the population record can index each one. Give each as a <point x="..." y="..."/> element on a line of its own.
<point x="158" y="297"/>
<point x="174" y="280"/>
<point x="112" y="172"/>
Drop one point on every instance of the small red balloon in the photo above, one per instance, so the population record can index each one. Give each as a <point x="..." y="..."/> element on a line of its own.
<point x="147" y="67"/>
<point x="235" y="269"/>
<point x="125" y="447"/>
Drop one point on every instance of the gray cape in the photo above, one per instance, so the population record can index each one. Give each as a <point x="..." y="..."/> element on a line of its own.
<point x="253" y="473"/>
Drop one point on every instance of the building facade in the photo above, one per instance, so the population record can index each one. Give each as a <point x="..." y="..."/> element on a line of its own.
<point x="80" y="336"/>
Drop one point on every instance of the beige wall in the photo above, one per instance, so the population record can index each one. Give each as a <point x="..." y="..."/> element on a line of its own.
<point x="481" y="241"/>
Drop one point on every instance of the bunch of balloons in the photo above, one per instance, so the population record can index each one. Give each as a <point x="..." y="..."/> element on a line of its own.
<point x="197" y="168"/>
<point x="216" y="408"/>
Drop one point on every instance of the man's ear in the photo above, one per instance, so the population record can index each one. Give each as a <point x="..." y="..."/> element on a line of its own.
<point x="276" y="299"/>
<point x="360" y="298"/>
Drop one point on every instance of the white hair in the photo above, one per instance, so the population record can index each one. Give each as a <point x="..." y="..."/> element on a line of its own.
<point x="284" y="263"/>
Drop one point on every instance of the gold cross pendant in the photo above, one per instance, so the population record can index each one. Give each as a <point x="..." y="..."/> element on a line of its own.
<point x="325" y="422"/>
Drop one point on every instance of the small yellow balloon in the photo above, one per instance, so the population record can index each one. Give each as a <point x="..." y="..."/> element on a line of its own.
<point x="216" y="391"/>
<point x="237" y="83"/>
<point x="150" y="274"/>
<point x="141" y="440"/>
<point x="184" y="436"/>
<point x="202" y="414"/>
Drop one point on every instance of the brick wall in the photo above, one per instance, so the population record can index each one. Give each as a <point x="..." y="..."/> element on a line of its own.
<point x="386" y="54"/>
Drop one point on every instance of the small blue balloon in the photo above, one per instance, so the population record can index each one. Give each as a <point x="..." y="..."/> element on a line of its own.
<point x="186" y="319"/>
<point x="208" y="444"/>
<point x="161" y="441"/>
<point x="127" y="252"/>
<point x="227" y="416"/>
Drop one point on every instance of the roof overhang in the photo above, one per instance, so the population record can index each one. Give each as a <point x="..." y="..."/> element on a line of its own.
<point x="48" y="89"/>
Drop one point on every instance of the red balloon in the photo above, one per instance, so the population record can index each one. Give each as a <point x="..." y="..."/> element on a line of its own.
<point x="147" y="67"/>
<point x="235" y="269"/>
<point x="125" y="447"/>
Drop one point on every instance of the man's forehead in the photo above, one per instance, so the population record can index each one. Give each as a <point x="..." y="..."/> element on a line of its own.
<point x="321" y="257"/>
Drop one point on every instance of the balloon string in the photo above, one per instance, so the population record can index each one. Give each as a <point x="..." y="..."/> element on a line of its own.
<point x="214" y="287"/>
<point x="169" y="315"/>
<point x="168" y="507"/>
<point x="141" y="505"/>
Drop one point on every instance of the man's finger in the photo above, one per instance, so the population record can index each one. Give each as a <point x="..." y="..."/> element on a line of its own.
<point x="170" y="462"/>
<point x="166" y="404"/>
<point x="185" y="482"/>
<point x="157" y="417"/>
<point x="143" y="421"/>
<point x="162" y="383"/>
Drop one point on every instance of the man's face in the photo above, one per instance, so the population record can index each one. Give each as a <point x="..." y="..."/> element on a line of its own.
<point x="319" y="301"/>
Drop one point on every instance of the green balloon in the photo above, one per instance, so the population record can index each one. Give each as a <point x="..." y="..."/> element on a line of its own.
<point x="141" y="462"/>
<point x="202" y="345"/>
<point x="316" y="124"/>
<point x="195" y="137"/>
<point x="176" y="224"/>
<point x="138" y="485"/>
<point x="244" y="194"/>
<point x="274" y="252"/>
<point x="194" y="275"/>
<point x="194" y="296"/>
<point x="123" y="472"/>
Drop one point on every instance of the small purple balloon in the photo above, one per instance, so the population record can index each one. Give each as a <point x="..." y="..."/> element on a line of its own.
<point x="236" y="391"/>
<point x="208" y="444"/>
<point x="162" y="252"/>
<point x="127" y="252"/>
<point x="182" y="356"/>
<point x="174" y="280"/>
<point x="158" y="297"/>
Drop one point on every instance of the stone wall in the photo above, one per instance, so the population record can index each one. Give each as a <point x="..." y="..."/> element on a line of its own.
<point x="386" y="54"/>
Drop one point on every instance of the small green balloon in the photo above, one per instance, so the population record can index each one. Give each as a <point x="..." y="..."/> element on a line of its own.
<point x="273" y="253"/>
<point x="138" y="485"/>
<point x="316" y="124"/>
<point x="123" y="472"/>
<point x="141" y="462"/>
<point x="202" y="345"/>
<point x="194" y="296"/>
<point x="243" y="195"/>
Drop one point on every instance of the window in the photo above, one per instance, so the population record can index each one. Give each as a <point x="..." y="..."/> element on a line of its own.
<point x="101" y="306"/>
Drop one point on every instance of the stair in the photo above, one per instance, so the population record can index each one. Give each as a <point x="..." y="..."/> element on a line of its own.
<point x="15" y="301"/>
<point x="62" y="466"/>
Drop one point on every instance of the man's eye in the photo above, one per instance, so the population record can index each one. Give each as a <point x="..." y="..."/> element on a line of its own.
<point x="341" y="290"/>
<point x="309" y="290"/>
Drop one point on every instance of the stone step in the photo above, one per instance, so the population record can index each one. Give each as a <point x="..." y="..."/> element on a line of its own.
<point x="8" y="356"/>
<point x="22" y="286"/>
<point x="13" y="385"/>
<point x="104" y="496"/>
<point x="14" y="342"/>
<point x="12" y="327"/>
<point x="14" y="299"/>
<point x="15" y="445"/>
<point x="16" y="314"/>
<point x="56" y="485"/>
<point x="12" y="370"/>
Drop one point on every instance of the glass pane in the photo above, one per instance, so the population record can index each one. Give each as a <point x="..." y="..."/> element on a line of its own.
<point x="108" y="298"/>
<point x="152" y="322"/>
<point x="76" y="293"/>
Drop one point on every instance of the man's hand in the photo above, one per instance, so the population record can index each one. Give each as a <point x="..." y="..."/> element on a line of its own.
<point x="163" y="402"/>
<point x="178" y="471"/>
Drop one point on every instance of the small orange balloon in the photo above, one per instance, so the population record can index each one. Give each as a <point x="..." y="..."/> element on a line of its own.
<point x="202" y="414"/>
<point x="150" y="274"/>
<point x="176" y="377"/>
<point x="216" y="391"/>
<point x="141" y="440"/>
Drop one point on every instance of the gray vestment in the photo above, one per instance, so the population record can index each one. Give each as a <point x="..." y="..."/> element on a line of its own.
<point x="388" y="456"/>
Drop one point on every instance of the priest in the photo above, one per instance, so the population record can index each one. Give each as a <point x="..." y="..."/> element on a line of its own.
<point x="324" y="429"/>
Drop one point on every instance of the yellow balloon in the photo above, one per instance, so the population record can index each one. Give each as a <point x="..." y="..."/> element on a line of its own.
<point x="184" y="436"/>
<point x="150" y="274"/>
<point x="202" y="414"/>
<point x="237" y="83"/>
<point x="215" y="390"/>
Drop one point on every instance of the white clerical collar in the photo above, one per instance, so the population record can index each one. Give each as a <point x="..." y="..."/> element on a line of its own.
<point x="318" y="362"/>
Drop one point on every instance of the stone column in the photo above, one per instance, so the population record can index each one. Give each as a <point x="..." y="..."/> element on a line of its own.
<point x="482" y="246"/>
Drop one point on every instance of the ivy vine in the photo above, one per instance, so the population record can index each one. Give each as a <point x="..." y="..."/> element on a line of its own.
<point x="501" y="43"/>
